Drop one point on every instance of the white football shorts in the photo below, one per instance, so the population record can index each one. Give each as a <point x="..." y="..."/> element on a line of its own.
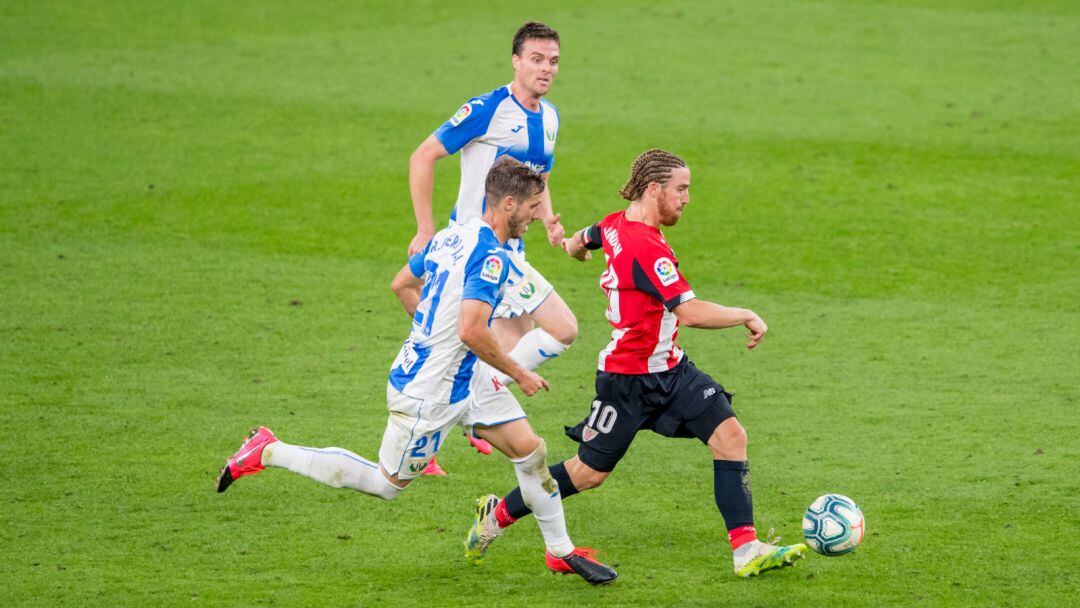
<point x="527" y="293"/>
<point x="490" y="403"/>
<point x="415" y="431"/>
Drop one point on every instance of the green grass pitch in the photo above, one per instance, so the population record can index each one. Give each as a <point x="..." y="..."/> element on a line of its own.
<point x="202" y="204"/>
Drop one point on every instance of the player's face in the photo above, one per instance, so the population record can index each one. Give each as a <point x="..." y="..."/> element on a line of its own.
<point x="523" y="215"/>
<point x="536" y="66"/>
<point x="674" y="196"/>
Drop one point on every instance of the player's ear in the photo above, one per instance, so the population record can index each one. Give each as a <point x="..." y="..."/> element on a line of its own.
<point x="509" y="205"/>
<point x="516" y="62"/>
<point x="653" y="189"/>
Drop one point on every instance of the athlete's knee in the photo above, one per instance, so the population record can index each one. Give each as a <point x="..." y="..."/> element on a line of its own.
<point x="729" y="440"/>
<point x="583" y="476"/>
<point x="556" y="318"/>
<point x="565" y="329"/>
<point x="535" y="461"/>
<point x="389" y="488"/>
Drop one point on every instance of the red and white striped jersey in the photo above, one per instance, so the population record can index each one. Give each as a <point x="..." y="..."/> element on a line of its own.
<point x="643" y="284"/>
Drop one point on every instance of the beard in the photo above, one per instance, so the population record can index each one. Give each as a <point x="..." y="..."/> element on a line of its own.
<point x="517" y="226"/>
<point x="669" y="213"/>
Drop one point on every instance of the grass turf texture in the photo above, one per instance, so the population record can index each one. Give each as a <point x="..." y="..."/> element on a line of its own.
<point x="203" y="204"/>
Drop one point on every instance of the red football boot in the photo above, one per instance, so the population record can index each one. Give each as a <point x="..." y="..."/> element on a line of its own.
<point x="247" y="460"/>
<point x="581" y="562"/>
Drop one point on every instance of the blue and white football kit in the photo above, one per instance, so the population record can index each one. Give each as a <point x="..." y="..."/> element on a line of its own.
<point x="430" y="378"/>
<point x="484" y="129"/>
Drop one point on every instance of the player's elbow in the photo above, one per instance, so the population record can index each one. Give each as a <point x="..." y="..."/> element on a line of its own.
<point x="469" y="335"/>
<point x="688" y="317"/>
<point x="424" y="156"/>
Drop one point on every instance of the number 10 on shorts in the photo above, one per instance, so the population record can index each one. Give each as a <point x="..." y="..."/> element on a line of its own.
<point x="603" y="417"/>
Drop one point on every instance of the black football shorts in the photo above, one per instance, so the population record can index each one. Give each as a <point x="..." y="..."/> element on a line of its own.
<point x="681" y="402"/>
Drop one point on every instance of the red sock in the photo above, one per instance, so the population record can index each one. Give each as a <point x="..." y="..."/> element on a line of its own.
<point x="503" y="516"/>
<point x="739" y="536"/>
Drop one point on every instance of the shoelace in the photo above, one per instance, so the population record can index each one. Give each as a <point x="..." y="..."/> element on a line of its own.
<point x="770" y="539"/>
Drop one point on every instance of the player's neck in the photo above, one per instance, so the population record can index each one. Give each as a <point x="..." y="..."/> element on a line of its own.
<point x="501" y="229"/>
<point x="527" y="100"/>
<point x="640" y="211"/>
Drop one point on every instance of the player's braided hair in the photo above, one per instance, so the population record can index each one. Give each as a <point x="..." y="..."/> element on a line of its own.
<point x="508" y="177"/>
<point x="533" y="29"/>
<point x="653" y="165"/>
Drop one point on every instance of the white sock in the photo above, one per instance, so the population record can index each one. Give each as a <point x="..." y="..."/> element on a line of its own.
<point x="533" y="350"/>
<point x="335" y="467"/>
<point x="541" y="494"/>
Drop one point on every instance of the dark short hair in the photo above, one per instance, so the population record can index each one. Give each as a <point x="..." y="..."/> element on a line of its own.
<point x="509" y="177"/>
<point x="536" y="30"/>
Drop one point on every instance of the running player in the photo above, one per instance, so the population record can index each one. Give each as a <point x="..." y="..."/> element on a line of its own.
<point x="645" y="381"/>
<point x="512" y="120"/>
<point x="450" y="288"/>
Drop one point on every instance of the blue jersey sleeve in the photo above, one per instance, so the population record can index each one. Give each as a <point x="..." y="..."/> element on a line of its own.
<point x="485" y="273"/>
<point x="469" y="122"/>
<point x="416" y="261"/>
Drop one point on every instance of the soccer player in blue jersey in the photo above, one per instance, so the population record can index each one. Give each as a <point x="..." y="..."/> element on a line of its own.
<point x="450" y="288"/>
<point x="513" y="120"/>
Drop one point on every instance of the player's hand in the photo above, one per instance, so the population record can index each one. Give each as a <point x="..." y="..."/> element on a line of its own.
<point x="420" y="240"/>
<point x="555" y="230"/>
<point x="531" y="383"/>
<point x="571" y="248"/>
<point x="757" y="329"/>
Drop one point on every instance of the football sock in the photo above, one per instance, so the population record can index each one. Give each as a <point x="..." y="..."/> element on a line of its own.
<point x="731" y="487"/>
<point x="513" y="506"/>
<point x="541" y="494"/>
<point x="533" y="350"/>
<point x="335" y="467"/>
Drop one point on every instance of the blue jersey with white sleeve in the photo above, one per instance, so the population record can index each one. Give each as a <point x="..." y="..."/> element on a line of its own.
<point x="490" y="126"/>
<point x="461" y="262"/>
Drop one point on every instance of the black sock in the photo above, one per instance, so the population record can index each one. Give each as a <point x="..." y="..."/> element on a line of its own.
<point x="515" y="504"/>
<point x="731" y="487"/>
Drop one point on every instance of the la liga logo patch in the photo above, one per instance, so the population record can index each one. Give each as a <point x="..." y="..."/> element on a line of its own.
<point x="492" y="269"/>
<point x="666" y="271"/>
<point x="462" y="113"/>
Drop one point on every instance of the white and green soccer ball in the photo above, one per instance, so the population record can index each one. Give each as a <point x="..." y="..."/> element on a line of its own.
<point x="833" y="525"/>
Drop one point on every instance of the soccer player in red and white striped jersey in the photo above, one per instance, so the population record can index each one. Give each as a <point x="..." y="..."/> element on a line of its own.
<point x="645" y="381"/>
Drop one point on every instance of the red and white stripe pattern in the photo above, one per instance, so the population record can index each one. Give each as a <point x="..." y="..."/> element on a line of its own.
<point x="643" y="285"/>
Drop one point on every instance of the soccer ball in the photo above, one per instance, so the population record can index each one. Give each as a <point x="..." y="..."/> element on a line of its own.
<point x="833" y="525"/>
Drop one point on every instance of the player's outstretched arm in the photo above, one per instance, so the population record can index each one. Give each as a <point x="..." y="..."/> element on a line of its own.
<point x="707" y="315"/>
<point x="407" y="287"/>
<point x="421" y="185"/>
<point x="474" y="332"/>
<point x="577" y="245"/>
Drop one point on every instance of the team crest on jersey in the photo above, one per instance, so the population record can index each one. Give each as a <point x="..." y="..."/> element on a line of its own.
<point x="528" y="291"/>
<point x="588" y="434"/>
<point x="462" y="113"/>
<point x="492" y="269"/>
<point x="665" y="271"/>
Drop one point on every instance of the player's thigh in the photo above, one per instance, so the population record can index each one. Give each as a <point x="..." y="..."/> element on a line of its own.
<point x="515" y="439"/>
<point x="555" y="316"/>
<point x="699" y="406"/>
<point x="415" y="430"/>
<point x="495" y="414"/>
<point x="606" y="433"/>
